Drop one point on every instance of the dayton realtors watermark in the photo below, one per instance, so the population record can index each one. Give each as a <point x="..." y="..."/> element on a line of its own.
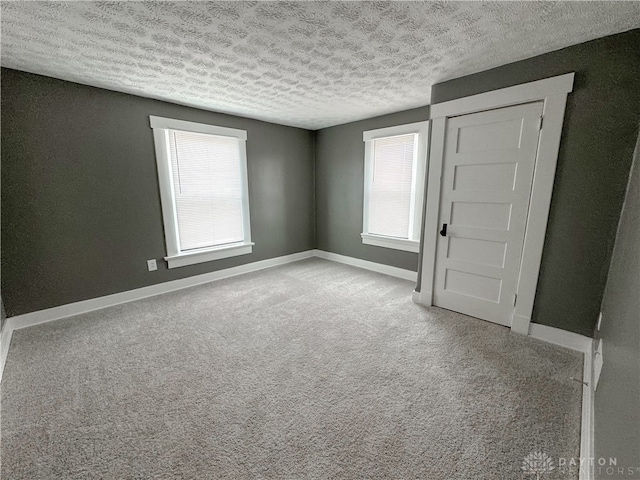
<point x="540" y="464"/>
<point x="599" y="467"/>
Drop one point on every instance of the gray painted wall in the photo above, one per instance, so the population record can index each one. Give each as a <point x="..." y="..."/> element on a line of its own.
<point x="593" y="166"/>
<point x="340" y="189"/>
<point x="80" y="203"/>
<point x="80" y="193"/>
<point x="3" y="315"/>
<point x="617" y="400"/>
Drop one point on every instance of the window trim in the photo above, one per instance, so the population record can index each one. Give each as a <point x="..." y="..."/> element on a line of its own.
<point x="175" y="257"/>
<point x="412" y="244"/>
<point x="391" y="242"/>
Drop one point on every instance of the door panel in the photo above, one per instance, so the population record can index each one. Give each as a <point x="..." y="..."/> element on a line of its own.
<point x="476" y="250"/>
<point x="489" y="158"/>
<point x="504" y="134"/>
<point x="473" y="285"/>
<point x="492" y="177"/>
<point x="494" y="216"/>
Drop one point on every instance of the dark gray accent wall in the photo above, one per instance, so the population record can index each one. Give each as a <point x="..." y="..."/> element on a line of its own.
<point x="3" y="315"/>
<point x="81" y="209"/>
<point x="597" y="144"/>
<point x="617" y="399"/>
<point x="340" y="189"/>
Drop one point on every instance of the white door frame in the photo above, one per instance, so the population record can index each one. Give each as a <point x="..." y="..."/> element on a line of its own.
<point x="553" y="92"/>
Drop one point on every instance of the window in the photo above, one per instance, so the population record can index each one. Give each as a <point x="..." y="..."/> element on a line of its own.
<point x="395" y="162"/>
<point x="202" y="171"/>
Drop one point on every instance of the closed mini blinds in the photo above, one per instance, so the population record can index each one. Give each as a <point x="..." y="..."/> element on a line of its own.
<point x="394" y="186"/>
<point x="203" y="186"/>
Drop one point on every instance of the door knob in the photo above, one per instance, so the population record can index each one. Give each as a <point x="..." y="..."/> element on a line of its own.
<point x="443" y="232"/>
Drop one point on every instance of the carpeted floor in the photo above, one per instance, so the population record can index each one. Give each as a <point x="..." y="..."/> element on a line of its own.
<point x="312" y="370"/>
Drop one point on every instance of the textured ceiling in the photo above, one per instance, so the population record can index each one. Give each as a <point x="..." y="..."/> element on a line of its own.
<point x="307" y="64"/>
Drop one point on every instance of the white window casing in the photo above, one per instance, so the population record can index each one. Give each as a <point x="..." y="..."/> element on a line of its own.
<point x="394" y="181"/>
<point x="202" y="172"/>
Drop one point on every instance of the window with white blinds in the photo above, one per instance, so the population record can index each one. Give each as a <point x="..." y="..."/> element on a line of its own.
<point x="207" y="189"/>
<point x="391" y="192"/>
<point x="203" y="184"/>
<point x="395" y="160"/>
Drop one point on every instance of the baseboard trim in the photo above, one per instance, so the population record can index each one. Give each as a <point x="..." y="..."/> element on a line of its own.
<point x="425" y="299"/>
<point x="85" y="306"/>
<point x="583" y="344"/>
<point x="563" y="338"/>
<point x="548" y="334"/>
<point x="588" y="408"/>
<point x="5" y="342"/>
<point x="367" y="265"/>
<point x="520" y="324"/>
<point x="77" y="308"/>
<point x="69" y="310"/>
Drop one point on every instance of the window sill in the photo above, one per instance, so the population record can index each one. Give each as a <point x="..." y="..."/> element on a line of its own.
<point x="216" y="253"/>
<point x="391" y="242"/>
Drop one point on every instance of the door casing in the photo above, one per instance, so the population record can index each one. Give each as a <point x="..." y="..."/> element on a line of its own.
<point x="553" y="93"/>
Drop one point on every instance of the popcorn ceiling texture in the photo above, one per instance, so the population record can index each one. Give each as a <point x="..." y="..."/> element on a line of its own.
<point x="306" y="64"/>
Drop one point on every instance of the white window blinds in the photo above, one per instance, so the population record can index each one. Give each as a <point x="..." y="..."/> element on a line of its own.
<point x="391" y="188"/>
<point x="207" y="186"/>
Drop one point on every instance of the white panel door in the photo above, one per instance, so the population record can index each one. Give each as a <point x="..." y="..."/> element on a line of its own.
<point x="489" y="160"/>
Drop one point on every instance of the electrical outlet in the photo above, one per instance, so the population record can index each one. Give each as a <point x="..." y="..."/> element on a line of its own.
<point x="152" y="265"/>
<point x="599" y="321"/>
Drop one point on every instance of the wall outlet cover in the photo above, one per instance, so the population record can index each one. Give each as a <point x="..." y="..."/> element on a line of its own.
<point x="152" y="265"/>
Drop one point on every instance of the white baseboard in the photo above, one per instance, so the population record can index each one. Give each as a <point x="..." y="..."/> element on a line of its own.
<point x="556" y="336"/>
<point x="71" y="309"/>
<point x="571" y="340"/>
<point x="367" y="265"/>
<point x="588" y="422"/>
<point x="583" y="344"/>
<point x="520" y="324"/>
<point x="84" y="306"/>
<point x="5" y="341"/>
<point x="415" y="297"/>
<point x="77" y="308"/>
<point x="423" y="298"/>
<point x="553" y="335"/>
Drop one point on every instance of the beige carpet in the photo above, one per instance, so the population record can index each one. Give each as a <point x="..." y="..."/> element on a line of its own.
<point x="313" y="370"/>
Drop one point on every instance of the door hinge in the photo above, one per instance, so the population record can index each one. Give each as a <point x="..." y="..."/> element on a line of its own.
<point x="515" y="299"/>
<point x="540" y="123"/>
